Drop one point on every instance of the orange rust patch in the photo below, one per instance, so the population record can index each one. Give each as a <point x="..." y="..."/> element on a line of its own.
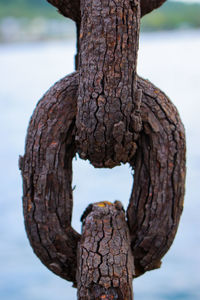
<point x="53" y="144"/>
<point x="29" y="204"/>
<point x="109" y="297"/>
<point x="103" y="203"/>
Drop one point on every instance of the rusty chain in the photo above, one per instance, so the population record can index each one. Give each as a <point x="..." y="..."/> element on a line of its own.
<point x="109" y="115"/>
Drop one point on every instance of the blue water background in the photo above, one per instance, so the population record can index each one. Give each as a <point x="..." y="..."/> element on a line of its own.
<point x="170" y="61"/>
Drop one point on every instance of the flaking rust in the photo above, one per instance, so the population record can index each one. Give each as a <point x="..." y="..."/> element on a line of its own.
<point x="105" y="260"/>
<point x="105" y="112"/>
<point x="156" y="200"/>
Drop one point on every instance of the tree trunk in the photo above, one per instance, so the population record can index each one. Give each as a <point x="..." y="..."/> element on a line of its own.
<point x="105" y="261"/>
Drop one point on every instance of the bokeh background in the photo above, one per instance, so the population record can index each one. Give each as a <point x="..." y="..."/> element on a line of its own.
<point x="37" y="47"/>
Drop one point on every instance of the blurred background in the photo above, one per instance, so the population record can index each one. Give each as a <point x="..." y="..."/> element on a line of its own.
<point x="37" y="47"/>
